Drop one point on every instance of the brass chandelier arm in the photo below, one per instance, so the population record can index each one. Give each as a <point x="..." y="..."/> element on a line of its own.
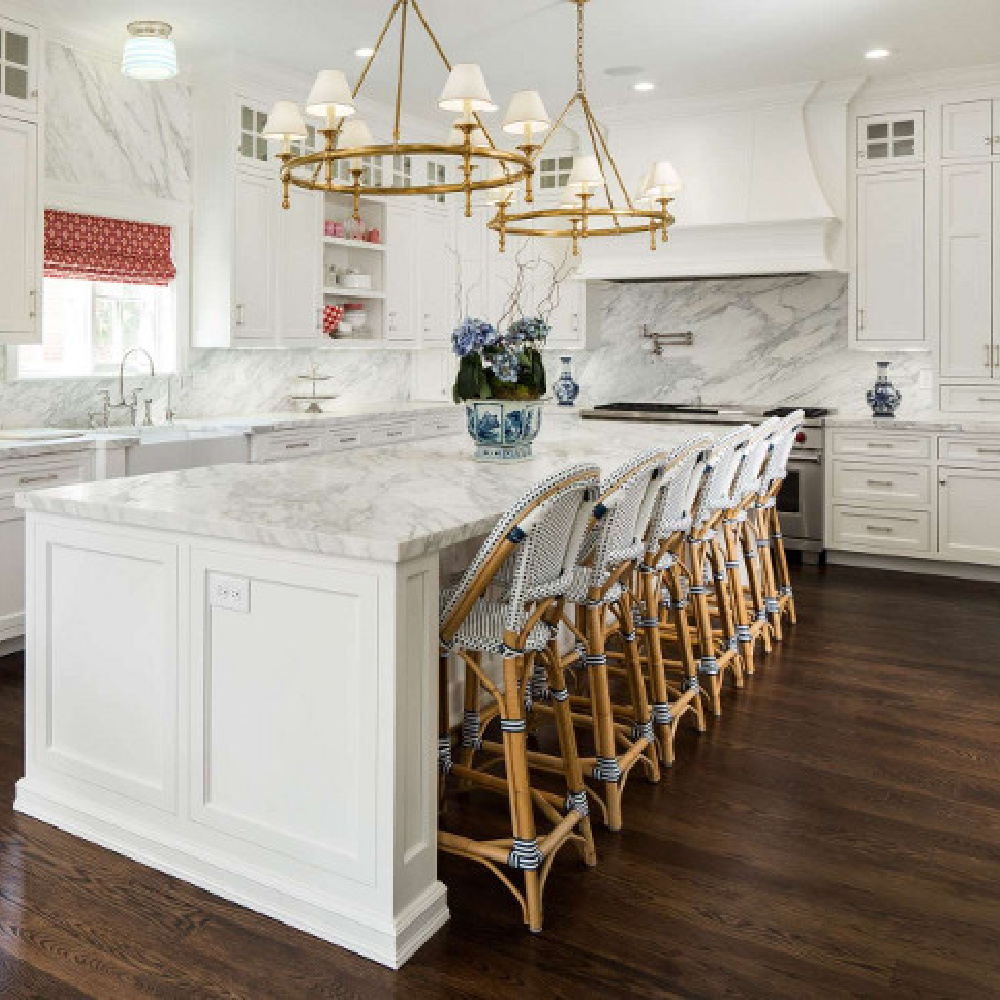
<point x="399" y="80"/>
<point x="607" y="153"/>
<point x="378" y="46"/>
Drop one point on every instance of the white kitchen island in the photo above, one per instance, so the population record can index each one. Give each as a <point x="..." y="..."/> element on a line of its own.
<point x="232" y="671"/>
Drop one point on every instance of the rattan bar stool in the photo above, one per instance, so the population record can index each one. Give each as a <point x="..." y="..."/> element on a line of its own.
<point x="661" y="596"/>
<point x="779" y="600"/>
<point x="507" y="604"/>
<point x="600" y="606"/>
<point x="706" y="561"/>
<point x="752" y="623"/>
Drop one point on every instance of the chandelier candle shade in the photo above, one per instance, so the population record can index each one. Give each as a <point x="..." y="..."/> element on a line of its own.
<point x="480" y="165"/>
<point x="149" y="53"/>
<point x="590" y="208"/>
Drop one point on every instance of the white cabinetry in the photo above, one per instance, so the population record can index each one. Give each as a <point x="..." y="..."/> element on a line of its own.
<point x="968" y="129"/>
<point x="299" y="268"/>
<point x="436" y="264"/>
<point x="401" y="272"/>
<point x="20" y="229"/>
<point x="969" y="526"/>
<point x="967" y="269"/>
<point x="891" y="139"/>
<point x="20" y="49"/>
<point x="20" y="476"/>
<point x="890" y="261"/>
<point x="253" y="256"/>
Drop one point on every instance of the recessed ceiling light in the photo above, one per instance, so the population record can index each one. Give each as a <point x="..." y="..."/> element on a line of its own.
<point x="878" y="54"/>
<point x="644" y="86"/>
<point x="364" y="53"/>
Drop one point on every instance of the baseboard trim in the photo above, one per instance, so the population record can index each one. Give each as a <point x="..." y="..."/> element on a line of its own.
<point x="904" y="564"/>
<point x="389" y="943"/>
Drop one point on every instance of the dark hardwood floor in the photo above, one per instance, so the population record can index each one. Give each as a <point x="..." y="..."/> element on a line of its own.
<point x="836" y="834"/>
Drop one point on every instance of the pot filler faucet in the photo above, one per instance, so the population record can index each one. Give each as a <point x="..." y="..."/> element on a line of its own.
<point x="103" y="418"/>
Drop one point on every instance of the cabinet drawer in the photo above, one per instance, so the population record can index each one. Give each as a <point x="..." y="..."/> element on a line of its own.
<point x="885" y="531"/>
<point x="969" y="449"/>
<point x="889" y="443"/>
<point x="41" y="474"/>
<point x="441" y="424"/>
<point x="339" y="440"/>
<point x="277" y="447"/>
<point x="881" y="485"/>
<point x="971" y="398"/>
<point x="388" y="433"/>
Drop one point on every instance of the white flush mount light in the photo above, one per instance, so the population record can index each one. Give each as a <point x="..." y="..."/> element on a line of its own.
<point x="149" y="52"/>
<point x="875" y="54"/>
<point x="365" y="52"/>
<point x="644" y="86"/>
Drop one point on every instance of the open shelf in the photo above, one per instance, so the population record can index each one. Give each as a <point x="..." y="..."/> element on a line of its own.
<point x="354" y="293"/>
<point x="336" y="241"/>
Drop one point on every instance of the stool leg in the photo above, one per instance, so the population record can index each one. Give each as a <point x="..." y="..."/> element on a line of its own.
<point x="571" y="759"/>
<point x="608" y="769"/>
<point x="678" y="606"/>
<point x="471" y="730"/>
<point x="764" y="543"/>
<point x="708" y="666"/>
<point x="444" y="726"/>
<point x="650" y="583"/>
<point x="525" y="854"/>
<point x="744" y="633"/>
<point x="724" y="600"/>
<point x="784" y="578"/>
<point x="643" y="728"/>
<point x="752" y="562"/>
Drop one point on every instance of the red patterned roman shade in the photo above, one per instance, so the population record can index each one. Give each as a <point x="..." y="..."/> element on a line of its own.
<point x="98" y="249"/>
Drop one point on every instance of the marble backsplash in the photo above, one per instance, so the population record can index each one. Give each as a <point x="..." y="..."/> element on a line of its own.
<point x="762" y="341"/>
<point x="220" y="383"/>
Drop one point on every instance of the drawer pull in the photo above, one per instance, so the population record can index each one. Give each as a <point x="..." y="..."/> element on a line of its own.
<point x="25" y="480"/>
<point x="881" y="445"/>
<point x="881" y="482"/>
<point x="989" y="399"/>
<point x="298" y="444"/>
<point x="879" y="529"/>
<point x="988" y="451"/>
<point x="393" y="434"/>
<point x="347" y="440"/>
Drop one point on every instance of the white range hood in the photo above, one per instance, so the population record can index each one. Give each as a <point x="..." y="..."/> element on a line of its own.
<point x="765" y="186"/>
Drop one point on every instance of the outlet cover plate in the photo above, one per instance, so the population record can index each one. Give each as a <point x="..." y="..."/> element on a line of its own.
<point x="230" y="593"/>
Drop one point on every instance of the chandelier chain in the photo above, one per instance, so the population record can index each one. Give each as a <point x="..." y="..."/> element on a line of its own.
<point x="581" y="82"/>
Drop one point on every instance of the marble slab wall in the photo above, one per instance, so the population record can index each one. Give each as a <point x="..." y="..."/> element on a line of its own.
<point x="761" y="341"/>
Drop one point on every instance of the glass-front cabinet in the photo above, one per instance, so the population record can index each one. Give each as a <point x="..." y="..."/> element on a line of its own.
<point x="18" y="66"/>
<point x="890" y="140"/>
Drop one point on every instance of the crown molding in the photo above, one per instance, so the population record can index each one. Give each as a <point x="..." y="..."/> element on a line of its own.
<point x="983" y="75"/>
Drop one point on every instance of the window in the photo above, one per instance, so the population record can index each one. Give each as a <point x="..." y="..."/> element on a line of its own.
<point x="87" y="326"/>
<point x="108" y="288"/>
<point x="436" y="174"/>
<point x="14" y="55"/>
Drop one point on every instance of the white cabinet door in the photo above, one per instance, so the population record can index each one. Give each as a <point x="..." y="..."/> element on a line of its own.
<point x="891" y="140"/>
<point x="19" y="53"/>
<point x="401" y="272"/>
<point x="967" y="269"/>
<point x="253" y="257"/>
<point x="996" y="270"/>
<point x="436" y="275"/>
<point x="299" y="268"/>
<point x="20" y="224"/>
<point x="967" y="129"/>
<point x="11" y="570"/>
<point x="969" y="530"/>
<point x="890" y="260"/>
<point x="434" y="375"/>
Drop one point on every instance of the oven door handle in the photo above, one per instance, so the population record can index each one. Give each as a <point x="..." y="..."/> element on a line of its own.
<point x="814" y="459"/>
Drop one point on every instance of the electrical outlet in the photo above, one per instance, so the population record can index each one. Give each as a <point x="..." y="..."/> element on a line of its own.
<point x="231" y="593"/>
<point x="925" y="379"/>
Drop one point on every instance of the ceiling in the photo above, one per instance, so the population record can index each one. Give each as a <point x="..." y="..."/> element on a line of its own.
<point x="686" y="47"/>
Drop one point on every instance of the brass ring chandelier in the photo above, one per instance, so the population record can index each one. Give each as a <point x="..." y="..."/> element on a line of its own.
<point x="347" y="138"/>
<point x="581" y="217"/>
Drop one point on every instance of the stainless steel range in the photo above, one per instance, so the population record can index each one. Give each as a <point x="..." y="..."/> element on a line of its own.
<point x="800" y="502"/>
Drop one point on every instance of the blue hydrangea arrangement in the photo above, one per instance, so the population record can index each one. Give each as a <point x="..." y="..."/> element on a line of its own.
<point x="497" y="365"/>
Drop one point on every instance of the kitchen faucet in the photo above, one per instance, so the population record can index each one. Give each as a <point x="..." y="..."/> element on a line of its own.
<point x="103" y="418"/>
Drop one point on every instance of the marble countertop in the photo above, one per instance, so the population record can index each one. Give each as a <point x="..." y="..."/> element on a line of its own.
<point x="255" y="423"/>
<point x="390" y="503"/>
<point x="930" y="422"/>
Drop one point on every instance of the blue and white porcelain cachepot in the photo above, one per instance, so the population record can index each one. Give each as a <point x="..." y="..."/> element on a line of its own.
<point x="503" y="429"/>
<point x="884" y="398"/>
<point x="566" y="388"/>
